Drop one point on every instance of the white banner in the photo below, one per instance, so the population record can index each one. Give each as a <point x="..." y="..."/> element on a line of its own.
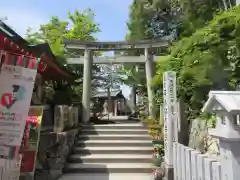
<point x="16" y="87"/>
<point x="169" y="105"/>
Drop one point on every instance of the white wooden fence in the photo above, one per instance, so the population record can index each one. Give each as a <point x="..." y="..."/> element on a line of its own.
<point x="189" y="164"/>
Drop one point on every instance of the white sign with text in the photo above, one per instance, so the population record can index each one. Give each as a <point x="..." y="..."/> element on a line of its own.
<point x="169" y="105"/>
<point x="15" y="97"/>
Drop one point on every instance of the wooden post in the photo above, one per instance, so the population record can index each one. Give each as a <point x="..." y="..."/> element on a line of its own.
<point x="110" y="106"/>
<point x="182" y="124"/>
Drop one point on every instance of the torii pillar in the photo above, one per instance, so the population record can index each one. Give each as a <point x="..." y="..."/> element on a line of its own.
<point x="134" y="100"/>
<point x="149" y="76"/>
<point x="87" y="89"/>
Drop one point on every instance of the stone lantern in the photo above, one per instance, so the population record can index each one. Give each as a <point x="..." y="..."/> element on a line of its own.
<point x="226" y="106"/>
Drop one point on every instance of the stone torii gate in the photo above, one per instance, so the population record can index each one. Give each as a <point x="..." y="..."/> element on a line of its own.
<point x="88" y="60"/>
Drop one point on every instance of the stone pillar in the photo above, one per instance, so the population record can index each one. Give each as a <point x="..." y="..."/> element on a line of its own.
<point x="228" y="132"/>
<point x="39" y="84"/>
<point x="87" y="90"/>
<point x="169" y="110"/>
<point x="115" y="107"/>
<point x="134" y="100"/>
<point x="149" y="76"/>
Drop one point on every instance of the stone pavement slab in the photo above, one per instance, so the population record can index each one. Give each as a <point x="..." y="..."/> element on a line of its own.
<point x="111" y="176"/>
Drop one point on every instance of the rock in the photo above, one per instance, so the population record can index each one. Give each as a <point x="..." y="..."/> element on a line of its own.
<point x="53" y="151"/>
<point x="201" y="140"/>
<point x="54" y="174"/>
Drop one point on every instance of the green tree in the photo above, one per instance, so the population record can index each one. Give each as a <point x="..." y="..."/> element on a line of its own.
<point x="200" y="60"/>
<point x="78" y="26"/>
<point x="147" y="20"/>
<point x="206" y="60"/>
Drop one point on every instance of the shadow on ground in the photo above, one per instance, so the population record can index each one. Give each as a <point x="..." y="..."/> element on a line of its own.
<point x="76" y="169"/>
<point x="83" y="176"/>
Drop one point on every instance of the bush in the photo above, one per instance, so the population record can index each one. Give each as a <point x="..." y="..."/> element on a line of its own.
<point x="207" y="60"/>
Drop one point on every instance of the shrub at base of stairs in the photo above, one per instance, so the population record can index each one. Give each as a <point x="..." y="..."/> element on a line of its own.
<point x="158" y="174"/>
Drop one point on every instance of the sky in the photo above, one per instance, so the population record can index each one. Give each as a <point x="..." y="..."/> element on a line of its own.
<point x="111" y="15"/>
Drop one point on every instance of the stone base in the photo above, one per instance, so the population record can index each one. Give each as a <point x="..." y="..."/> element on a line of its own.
<point x="169" y="173"/>
<point x="53" y="151"/>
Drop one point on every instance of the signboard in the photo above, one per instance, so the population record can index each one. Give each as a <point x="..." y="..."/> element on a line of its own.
<point x="10" y="168"/>
<point x="31" y="140"/>
<point x="15" y="96"/>
<point x="169" y="105"/>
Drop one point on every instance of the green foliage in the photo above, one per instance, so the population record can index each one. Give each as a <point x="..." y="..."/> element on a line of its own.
<point x="78" y="26"/>
<point x="140" y="26"/>
<point x="151" y="19"/>
<point x="132" y="76"/>
<point x="206" y="60"/>
<point x="196" y="14"/>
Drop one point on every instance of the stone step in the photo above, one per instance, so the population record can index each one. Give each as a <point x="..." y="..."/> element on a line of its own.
<point x="111" y="158"/>
<point x="108" y="176"/>
<point x="113" y="131"/>
<point x="113" y="143"/>
<point x="114" y="137"/>
<point x="112" y="117"/>
<point x="112" y="150"/>
<point x="114" y="126"/>
<point x="108" y="168"/>
<point x="124" y="148"/>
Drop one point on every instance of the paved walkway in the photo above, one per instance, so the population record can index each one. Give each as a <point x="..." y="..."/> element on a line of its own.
<point x="112" y="176"/>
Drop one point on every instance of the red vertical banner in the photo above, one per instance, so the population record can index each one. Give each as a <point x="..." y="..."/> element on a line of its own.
<point x="2" y="59"/>
<point x="28" y="161"/>
<point x="32" y="62"/>
<point x="8" y="58"/>
<point x="42" y="67"/>
<point x="20" y="60"/>
<point x="31" y="139"/>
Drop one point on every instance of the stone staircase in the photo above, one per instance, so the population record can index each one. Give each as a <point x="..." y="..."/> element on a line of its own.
<point x="112" y="150"/>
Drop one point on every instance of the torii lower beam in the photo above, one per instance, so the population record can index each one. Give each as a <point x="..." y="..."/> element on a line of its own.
<point x="110" y="59"/>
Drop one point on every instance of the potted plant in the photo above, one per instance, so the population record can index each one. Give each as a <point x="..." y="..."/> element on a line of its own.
<point x="157" y="158"/>
<point x="158" y="154"/>
<point x="158" y="174"/>
<point x="157" y="139"/>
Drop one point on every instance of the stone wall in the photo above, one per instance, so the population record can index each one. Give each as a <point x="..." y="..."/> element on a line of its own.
<point x="52" y="154"/>
<point x="200" y="139"/>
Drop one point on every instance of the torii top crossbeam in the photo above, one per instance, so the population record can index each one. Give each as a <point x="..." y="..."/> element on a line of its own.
<point x="117" y="45"/>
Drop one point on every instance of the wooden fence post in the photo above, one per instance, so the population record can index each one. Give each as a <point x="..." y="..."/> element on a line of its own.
<point x="183" y="127"/>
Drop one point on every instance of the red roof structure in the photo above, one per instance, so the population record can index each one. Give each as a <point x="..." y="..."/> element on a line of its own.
<point x="17" y="48"/>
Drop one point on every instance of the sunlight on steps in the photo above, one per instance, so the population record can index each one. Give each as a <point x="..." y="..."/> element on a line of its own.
<point x="111" y="152"/>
